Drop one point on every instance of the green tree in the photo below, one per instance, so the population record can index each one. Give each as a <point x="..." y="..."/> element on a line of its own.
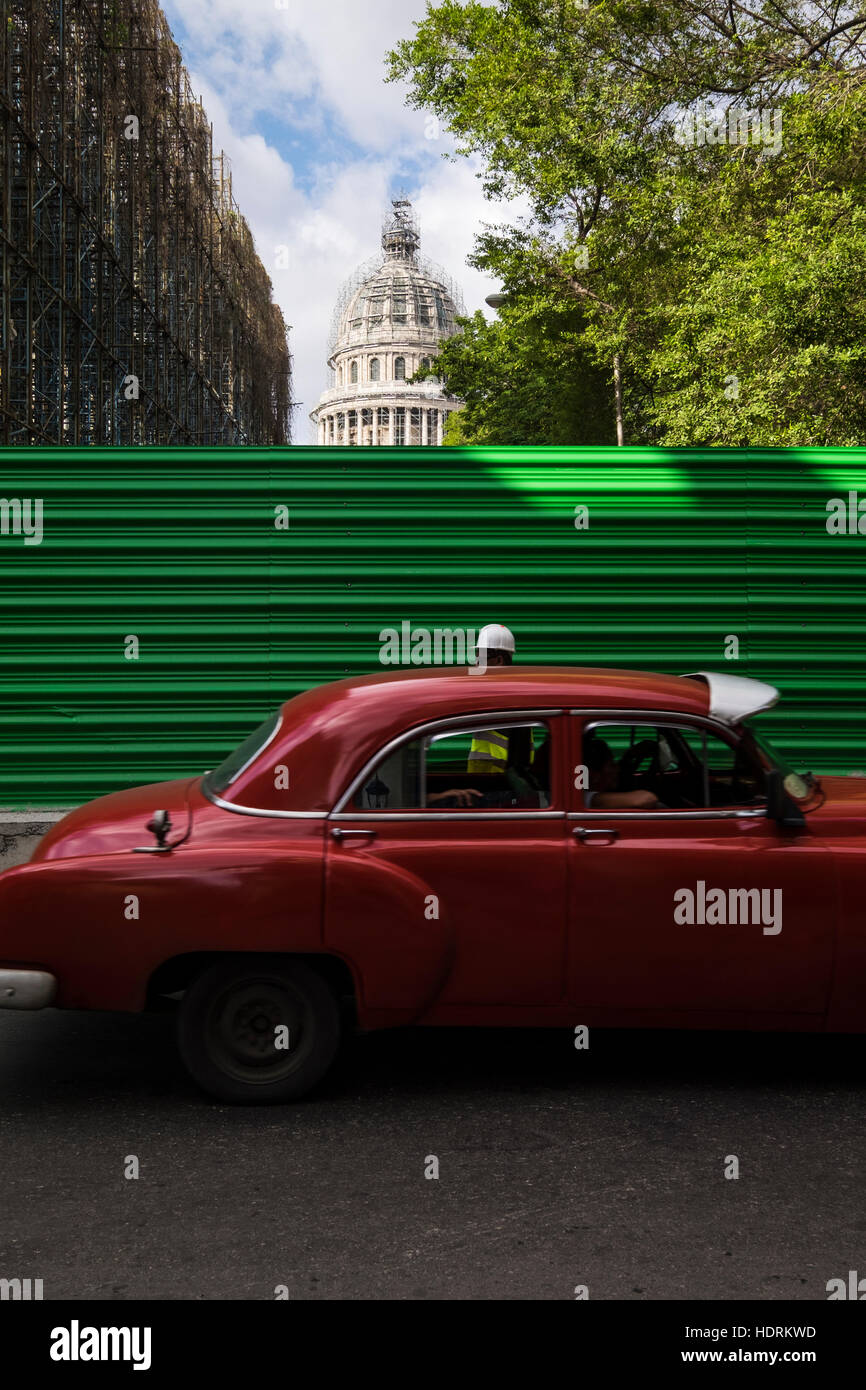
<point x="525" y="379"/>
<point x="760" y="337"/>
<point x="720" y="282"/>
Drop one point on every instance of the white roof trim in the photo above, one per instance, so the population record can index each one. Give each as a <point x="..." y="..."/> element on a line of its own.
<point x="734" y="698"/>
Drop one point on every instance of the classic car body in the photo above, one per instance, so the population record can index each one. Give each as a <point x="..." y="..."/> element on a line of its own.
<point x="344" y="852"/>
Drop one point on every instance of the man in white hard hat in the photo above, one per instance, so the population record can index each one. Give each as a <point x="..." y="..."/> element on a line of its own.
<point x="489" y="750"/>
<point x="495" y="646"/>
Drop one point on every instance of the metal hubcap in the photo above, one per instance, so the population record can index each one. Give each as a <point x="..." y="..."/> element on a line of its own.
<point x="253" y="1028"/>
<point x="257" y="1026"/>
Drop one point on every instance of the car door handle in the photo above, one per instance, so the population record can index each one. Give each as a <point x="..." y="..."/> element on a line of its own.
<point x="339" y="834"/>
<point x="605" y="834"/>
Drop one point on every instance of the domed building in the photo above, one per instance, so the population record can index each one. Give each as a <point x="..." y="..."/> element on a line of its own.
<point x="390" y="318"/>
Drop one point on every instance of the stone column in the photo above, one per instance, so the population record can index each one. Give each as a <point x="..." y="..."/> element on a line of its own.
<point x="375" y="440"/>
<point x="390" y="424"/>
<point x="345" y="427"/>
<point x="425" y="426"/>
<point x="440" y="416"/>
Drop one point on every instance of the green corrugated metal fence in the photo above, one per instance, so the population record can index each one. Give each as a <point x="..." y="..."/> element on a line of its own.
<point x="179" y="548"/>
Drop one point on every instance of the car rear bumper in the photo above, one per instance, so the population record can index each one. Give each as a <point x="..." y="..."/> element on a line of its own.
<point x="26" y="989"/>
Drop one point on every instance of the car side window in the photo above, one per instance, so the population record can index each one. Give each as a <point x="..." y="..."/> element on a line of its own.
<point x="464" y="768"/>
<point x="733" y="776"/>
<point x="644" y="766"/>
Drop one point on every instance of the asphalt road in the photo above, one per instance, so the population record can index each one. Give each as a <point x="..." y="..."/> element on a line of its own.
<point x="557" y="1168"/>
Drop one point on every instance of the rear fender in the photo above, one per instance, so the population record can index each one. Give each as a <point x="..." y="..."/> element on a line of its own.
<point x="103" y="924"/>
<point x="380" y="918"/>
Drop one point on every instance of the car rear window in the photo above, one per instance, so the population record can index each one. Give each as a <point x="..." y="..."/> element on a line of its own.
<point x="231" y="767"/>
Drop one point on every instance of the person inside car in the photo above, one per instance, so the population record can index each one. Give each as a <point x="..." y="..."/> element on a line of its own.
<point x="459" y="796"/>
<point x="489" y="752"/>
<point x="603" y="776"/>
<point x="521" y="781"/>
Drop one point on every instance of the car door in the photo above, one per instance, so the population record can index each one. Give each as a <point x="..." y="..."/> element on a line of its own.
<point x="466" y="903"/>
<point x="701" y="909"/>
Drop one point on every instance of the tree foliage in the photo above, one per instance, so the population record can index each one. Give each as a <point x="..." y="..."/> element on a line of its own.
<point x="726" y="277"/>
<point x="526" y="379"/>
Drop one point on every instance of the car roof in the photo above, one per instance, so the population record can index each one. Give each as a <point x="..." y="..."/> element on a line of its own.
<point x="348" y="721"/>
<point x="425" y="690"/>
<point x="328" y="733"/>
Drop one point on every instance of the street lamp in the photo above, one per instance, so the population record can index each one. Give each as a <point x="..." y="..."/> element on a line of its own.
<point x="377" y="794"/>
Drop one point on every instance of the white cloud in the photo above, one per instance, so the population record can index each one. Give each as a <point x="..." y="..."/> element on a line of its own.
<point x="297" y="75"/>
<point x="269" y="59"/>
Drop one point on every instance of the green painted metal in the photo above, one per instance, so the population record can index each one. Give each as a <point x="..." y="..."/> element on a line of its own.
<point x="179" y="548"/>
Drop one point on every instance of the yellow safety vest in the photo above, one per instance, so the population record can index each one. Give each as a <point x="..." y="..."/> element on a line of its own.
<point x="488" y="753"/>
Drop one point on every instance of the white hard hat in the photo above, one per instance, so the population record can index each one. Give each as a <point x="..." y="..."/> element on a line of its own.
<point x="495" y="638"/>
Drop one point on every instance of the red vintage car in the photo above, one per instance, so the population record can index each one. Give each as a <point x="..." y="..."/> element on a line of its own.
<point x="524" y="847"/>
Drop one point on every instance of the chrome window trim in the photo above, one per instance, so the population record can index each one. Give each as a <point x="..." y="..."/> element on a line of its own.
<point x="249" y="762"/>
<point x="475" y="721"/>
<point x="446" y="815"/>
<point x="666" y="718"/>
<point x="753" y="813"/>
<point x="259" y="751"/>
<point x="657" y="716"/>
<point x="260" y="811"/>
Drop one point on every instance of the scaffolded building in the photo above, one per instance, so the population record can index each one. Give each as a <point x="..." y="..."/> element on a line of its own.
<point x="135" y="309"/>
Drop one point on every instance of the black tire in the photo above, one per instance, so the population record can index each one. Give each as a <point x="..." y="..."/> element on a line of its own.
<point x="227" y="1029"/>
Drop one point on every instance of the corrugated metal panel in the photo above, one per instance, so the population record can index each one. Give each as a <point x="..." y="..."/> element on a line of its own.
<point x="179" y="548"/>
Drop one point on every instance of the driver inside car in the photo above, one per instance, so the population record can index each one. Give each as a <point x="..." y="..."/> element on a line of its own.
<point x="603" y="777"/>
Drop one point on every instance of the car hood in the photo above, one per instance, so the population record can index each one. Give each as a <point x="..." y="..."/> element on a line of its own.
<point x="843" y="795"/>
<point x="118" y="821"/>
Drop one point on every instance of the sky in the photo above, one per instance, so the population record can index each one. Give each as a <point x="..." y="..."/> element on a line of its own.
<point x="318" y="143"/>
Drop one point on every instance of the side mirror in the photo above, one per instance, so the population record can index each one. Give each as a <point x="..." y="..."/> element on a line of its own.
<point x="159" y="826"/>
<point x="782" y="808"/>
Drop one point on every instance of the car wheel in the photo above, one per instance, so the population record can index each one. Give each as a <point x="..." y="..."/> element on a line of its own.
<point x="258" y="1031"/>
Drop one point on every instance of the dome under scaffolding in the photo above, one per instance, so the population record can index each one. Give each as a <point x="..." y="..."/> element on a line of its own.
<point x="391" y="315"/>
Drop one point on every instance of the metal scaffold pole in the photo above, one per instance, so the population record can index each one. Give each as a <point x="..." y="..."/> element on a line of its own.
<point x="134" y="308"/>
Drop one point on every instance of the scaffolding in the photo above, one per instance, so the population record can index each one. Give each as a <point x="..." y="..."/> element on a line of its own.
<point x="135" y="309"/>
<point x="432" y="296"/>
